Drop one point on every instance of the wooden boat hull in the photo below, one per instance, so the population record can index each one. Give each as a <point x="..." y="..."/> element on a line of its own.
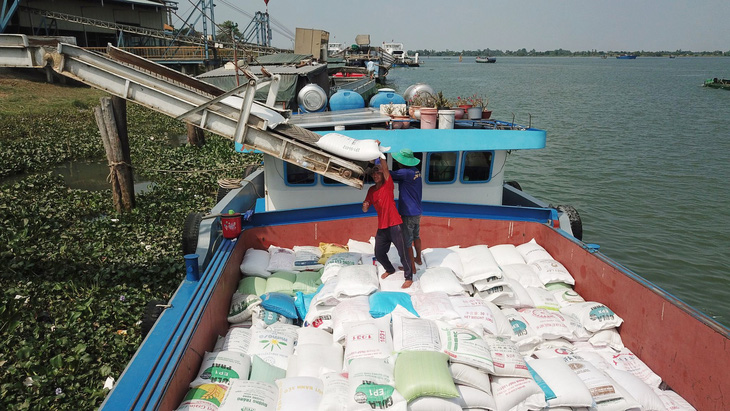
<point x="685" y="347"/>
<point x="718" y="83"/>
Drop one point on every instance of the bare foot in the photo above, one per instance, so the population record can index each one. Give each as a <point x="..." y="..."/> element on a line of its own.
<point x="407" y="284"/>
<point x="418" y="261"/>
<point x="385" y="275"/>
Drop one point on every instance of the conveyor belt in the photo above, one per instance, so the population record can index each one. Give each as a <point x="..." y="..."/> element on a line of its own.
<point x="235" y="116"/>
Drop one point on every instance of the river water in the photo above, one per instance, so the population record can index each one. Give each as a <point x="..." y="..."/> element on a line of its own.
<point x="638" y="147"/>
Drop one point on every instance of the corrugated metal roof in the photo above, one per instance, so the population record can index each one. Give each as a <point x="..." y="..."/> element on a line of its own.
<point x="155" y="3"/>
<point x="282" y="58"/>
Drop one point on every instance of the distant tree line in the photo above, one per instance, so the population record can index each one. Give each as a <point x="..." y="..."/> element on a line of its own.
<point x="566" y="53"/>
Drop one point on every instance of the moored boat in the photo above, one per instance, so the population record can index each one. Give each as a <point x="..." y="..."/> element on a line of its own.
<point x="720" y="83"/>
<point x="400" y="55"/>
<point x="482" y="59"/>
<point x="626" y="56"/>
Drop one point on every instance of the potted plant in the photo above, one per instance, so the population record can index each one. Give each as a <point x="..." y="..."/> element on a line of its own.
<point x="486" y="114"/>
<point x="401" y="119"/>
<point x="388" y="109"/>
<point x="441" y="102"/>
<point x="475" y="111"/>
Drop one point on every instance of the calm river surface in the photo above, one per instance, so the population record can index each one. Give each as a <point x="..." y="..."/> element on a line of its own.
<point x="638" y="147"/>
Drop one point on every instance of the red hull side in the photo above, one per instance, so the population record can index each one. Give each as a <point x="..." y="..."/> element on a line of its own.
<point x="689" y="355"/>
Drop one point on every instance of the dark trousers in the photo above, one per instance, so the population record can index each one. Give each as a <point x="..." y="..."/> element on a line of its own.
<point x="383" y="239"/>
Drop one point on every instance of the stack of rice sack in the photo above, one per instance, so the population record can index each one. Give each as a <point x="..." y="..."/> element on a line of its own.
<point x="482" y="328"/>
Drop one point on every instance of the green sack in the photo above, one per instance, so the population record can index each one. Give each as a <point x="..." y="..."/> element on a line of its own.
<point x="265" y="372"/>
<point x="281" y="282"/>
<point x="307" y="282"/>
<point x="424" y="374"/>
<point x="252" y="285"/>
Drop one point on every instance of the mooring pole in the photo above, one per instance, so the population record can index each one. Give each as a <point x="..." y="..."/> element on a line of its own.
<point x="112" y="124"/>
<point x="195" y="135"/>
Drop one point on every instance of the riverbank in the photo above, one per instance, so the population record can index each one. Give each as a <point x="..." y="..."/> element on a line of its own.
<point x="77" y="276"/>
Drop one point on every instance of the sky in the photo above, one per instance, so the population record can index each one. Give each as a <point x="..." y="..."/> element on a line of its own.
<point x="576" y="25"/>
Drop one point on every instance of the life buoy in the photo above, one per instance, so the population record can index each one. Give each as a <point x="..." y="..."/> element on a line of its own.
<point x="576" y="225"/>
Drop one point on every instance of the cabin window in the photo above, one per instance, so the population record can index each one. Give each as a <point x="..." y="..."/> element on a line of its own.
<point x="442" y="167"/>
<point x="298" y="176"/>
<point x="326" y="181"/>
<point x="477" y="166"/>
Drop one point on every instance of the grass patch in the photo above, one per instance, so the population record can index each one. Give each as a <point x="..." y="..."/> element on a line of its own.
<point x="76" y="276"/>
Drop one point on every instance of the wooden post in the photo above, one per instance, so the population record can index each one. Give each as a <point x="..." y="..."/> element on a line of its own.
<point x="120" y="169"/>
<point x="195" y="135"/>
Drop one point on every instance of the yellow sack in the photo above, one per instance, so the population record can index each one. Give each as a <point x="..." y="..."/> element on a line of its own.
<point x="330" y="249"/>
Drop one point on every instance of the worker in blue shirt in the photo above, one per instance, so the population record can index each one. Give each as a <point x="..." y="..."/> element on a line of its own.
<point x="410" y="193"/>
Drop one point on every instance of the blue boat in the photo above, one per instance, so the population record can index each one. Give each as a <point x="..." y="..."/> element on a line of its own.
<point x="626" y="56"/>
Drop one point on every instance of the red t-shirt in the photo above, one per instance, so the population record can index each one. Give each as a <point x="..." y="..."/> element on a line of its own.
<point x="384" y="202"/>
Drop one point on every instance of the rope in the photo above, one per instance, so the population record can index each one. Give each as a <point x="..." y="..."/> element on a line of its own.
<point x="111" y="169"/>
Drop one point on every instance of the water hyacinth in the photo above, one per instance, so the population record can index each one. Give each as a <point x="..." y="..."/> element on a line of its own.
<point x="59" y="391"/>
<point x="122" y="298"/>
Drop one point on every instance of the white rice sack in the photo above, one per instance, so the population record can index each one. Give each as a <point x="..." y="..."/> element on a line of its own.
<point x="523" y="274"/>
<point x="512" y="393"/>
<point x="531" y="251"/>
<point x="579" y="331"/>
<point x="362" y="247"/>
<point x="356" y="280"/>
<point x="467" y="375"/>
<point x="443" y="257"/>
<point x="242" y="306"/>
<point x="350" y="310"/>
<point x="348" y="147"/>
<point x="263" y="318"/>
<point x="673" y="401"/>
<point x="251" y="396"/>
<point x="415" y="334"/>
<point x="337" y="262"/>
<point x="556" y="344"/>
<point x="281" y="259"/>
<point x="434" y="306"/>
<point x="372" y="385"/>
<point x="625" y="403"/>
<point x="508" y="362"/>
<point x="255" y="262"/>
<point x="607" y="338"/>
<point x="236" y="339"/>
<point x="312" y="360"/>
<point x="434" y="404"/>
<point x="626" y="360"/>
<point x="506" y="254"/>
<point x="326" y="294"/>
<point x="313" y="335"/>
<point x="542" y="298"/>
<point x="638" y="389"/>
<point x="562" y="387"/>
<point x="564" y="294"/>
<point x="473" y="310"/>
<point x="471" y="398"/>
<point x="299" y="393"/>
<point x="547" y="324"/>
<point x="466" y="347"/>
<point x="594" y="316"/>
<point x="368" y="339"/>
<point x="442" y="279"/>
<point x="320" y="317"/>
<point x="307" y="258"/>
<point x="207" y="397"/>
<point x="552" y="271"/>
<point x="516" y="298"/>
<point x="601" y="386"/>
<point x="334" y="396"/>
<point x="523" y="335"/>
<point x="222" y="367"/>
<point x="478" y="263"/>
<point x="273" y="345"/>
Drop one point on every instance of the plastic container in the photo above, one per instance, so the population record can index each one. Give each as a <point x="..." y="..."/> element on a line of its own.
<point x="428" y="117"/>
<point x="192" y="273"/>
<point x="386" y="96"/>
<point x="231" y="224"/>
<point x="312" y="98"/>
<point x="446" y="119"/>
<point x="346" y="100"/>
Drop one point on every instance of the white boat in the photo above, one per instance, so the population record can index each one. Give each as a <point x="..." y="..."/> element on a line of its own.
<point x="400" y="55"/>
<point x="335" y="49"/>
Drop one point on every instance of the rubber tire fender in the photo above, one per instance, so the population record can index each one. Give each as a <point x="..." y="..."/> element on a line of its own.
<point x="191" y="229"/>
<point x="576" y="225"/>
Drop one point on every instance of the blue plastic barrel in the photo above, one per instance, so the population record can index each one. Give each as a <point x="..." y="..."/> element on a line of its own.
<point x="386" y="96"/>
<point x="346" y="100"/>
